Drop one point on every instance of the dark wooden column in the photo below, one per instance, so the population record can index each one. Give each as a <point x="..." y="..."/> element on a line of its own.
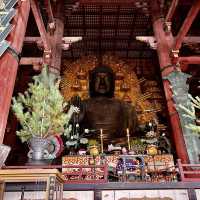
<point x="164" y="45"/>
<point x="56" y="41"/>
<point x="56" y="38"/>
<point x="9" y="64"/>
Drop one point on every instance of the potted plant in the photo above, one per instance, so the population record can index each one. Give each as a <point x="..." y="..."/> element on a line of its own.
<point x="41" y="111"/>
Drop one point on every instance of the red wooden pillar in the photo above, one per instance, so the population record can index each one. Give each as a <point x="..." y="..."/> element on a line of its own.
<point x="9" y="64"/>
<point x="171" y="11"/>
<point x="164" y="44"/>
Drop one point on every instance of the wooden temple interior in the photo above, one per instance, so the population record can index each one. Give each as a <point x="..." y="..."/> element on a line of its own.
<point x="138" y="132"/>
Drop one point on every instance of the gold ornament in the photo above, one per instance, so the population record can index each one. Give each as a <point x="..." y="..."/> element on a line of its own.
<point x="94" y="150"/>
<point x="81" y="74"/>
<point x="152" y="150"/>
<point x="119" y="74"/>
<point x="77" y="85"/>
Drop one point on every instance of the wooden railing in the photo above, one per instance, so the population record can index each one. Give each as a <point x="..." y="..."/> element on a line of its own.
<point x="189" y="172"/>
<point x="78" y="174"/>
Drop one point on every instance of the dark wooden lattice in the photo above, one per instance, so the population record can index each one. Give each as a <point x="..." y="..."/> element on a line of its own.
<point x="108" y="26"/>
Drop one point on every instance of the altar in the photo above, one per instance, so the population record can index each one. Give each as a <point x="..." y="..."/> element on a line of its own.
<point x="141" y="167"/>
<point x="115" y="117"/>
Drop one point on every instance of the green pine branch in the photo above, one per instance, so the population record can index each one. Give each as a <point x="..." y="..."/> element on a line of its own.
<point x="41" y="109"/>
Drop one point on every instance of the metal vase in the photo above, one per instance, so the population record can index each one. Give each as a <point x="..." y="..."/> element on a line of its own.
<point x="38" y="148"/>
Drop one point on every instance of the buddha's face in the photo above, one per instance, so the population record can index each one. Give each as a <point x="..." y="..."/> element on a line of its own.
<point x="102" y="83"/>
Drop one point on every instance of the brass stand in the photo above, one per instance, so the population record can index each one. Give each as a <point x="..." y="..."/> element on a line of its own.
<point x="128" y="139"/>
<point x="101" y="137"/>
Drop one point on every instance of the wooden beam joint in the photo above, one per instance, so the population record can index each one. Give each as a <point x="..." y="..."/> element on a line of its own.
<point x="40" y="24"/>
<point x="174" y="55"/>
<point x="51" y="19"/>
<point x="167" y="27"/>
<point x="187" y="24"/>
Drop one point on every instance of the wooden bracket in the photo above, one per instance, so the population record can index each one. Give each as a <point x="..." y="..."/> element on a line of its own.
<point x="167" y="27"/>
<point x="175" y="56"/>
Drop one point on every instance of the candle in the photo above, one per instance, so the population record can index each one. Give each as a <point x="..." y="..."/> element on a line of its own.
<point x="127" y="131"/>
<point x="101" y="136"/>
<point x="128" y="138"/>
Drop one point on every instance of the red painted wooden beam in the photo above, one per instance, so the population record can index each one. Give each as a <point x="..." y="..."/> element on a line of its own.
<point x="171" y="11"/>
<point x="49" y="11"/>
<point x="31" y="61"/>
<point x="40" y="24"/>
<point x="187" y="24"/>
<point x="191" y="39"/>
<point x="56" y="39"/>
<point x="30" y="40"/>
<point x="36" y="40"/>
<point x="9" y="64"/>
<point x="177" y="134"/>
<point x="164" y="44"/>
<point x="189" y="60"/>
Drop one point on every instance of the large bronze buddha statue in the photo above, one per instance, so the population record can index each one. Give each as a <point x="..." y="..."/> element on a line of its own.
<point x="103" y="111"/>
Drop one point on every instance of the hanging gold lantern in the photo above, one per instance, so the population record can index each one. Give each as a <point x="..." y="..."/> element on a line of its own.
<point x="125" y="86"/>
<point x="117" y="85"/>
<point x="119" y="74"/>
<point x="77" y="85"/>
<point x="81" y="74"/>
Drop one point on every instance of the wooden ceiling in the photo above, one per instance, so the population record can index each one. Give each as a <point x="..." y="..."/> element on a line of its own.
<point x="112" y="26"/>
<point x="108" y="26"/>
